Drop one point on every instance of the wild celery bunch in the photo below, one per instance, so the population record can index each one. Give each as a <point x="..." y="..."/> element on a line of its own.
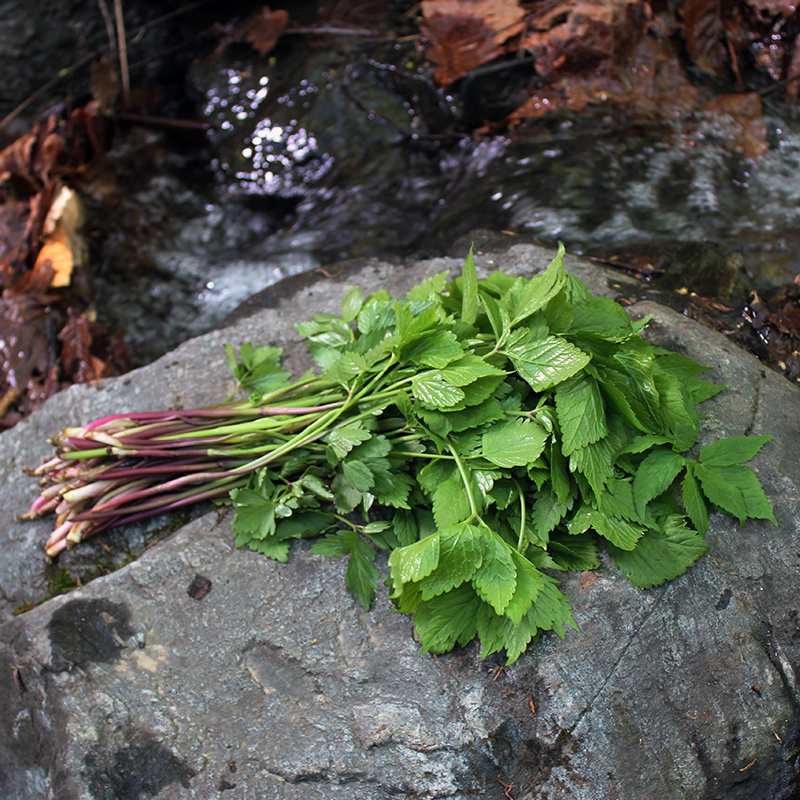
<point x="485" y="433"/>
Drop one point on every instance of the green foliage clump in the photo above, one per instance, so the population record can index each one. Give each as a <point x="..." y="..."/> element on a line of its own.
<point x="488" y="434"/>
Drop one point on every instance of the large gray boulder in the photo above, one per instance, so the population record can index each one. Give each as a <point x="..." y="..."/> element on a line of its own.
<point x="274" y="684"/>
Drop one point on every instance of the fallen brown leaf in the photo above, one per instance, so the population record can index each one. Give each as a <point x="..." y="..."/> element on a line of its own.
<point x="465" y="35"/>
<point x="262" y="29"/>
<point x="703" y="32"/>
<point x="588" y="579"/>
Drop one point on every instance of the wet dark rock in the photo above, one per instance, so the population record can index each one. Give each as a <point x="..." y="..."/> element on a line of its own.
<point x="140" y="768"/>
<point x="279" y="686"/>
<point x="84" y="632"/>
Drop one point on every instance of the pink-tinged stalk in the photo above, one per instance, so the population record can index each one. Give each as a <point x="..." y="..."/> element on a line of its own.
<point x="237" y="409"/>
<point x="111" y="506"/>
<point x="165" y="469"/>
<point x="49" y="492"/>
<point x="88" y="490"/>
<point x="211" y="412"/>
<point x="41" y="505"/>
<point x="75" y="535"/>
<point x="57" y="547"/>
<point x="51" y="465"/>
<point x="81" y="444"/>
<point x="58" y="534"/>
<point x="156" y="510"/>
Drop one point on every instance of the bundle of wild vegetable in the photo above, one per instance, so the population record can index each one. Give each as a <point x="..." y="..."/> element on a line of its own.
<point x="484" y="432"/>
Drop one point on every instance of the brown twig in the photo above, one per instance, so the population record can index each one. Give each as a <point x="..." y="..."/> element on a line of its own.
<point x="67" y="71"/>
<point x="122" y="46"/>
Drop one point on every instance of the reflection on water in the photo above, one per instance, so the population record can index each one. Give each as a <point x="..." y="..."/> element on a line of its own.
<point x="336" y="155"/>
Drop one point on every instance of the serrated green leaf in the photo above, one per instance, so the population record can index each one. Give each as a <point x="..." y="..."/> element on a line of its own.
<point x="469" y="290"/>
<point x="352" y="302"/>
<point x="397" y="496"/>
<point x="596" y="463"/>
<point x="633" y="363"/>
<point x="581" y="413"/>
<point x="699" y="390"/>
<point x="660" y="555"/>
<point x="301" y="525"/>
<point x="528" y="296"/>
<point x="731" y="451"/>
<point x="559" y="477"/>
<point x="641" y="443"/>
<point x="412" y="525"/>
<point x="655" y="475"/>
<point x="376" y="314"/>
<point x="497" y="313"/>
<point x="718" y="488"/>
<point x="346" y="498"/>
<point x="680" y="366"/>
<point x="473" y="417"/>
<point x="336" y="545"/>
<point x="618" y="501"/>
<point x="615" y="388"/>
<point x="257" y="369"/>
<point x="475" y="393"/>
<point x="529" y="582"/>
<point x="271" y="548"/>
<point x="545" y="362"/>
<point x="693" y="501"/>
<point x="576" y="553"/>
<point x="734" y="489"/>
<point x="547" y="512"/>
<point x="414" y="561"/>
<point x="468" y="369"/>
<point x="343" y="440"/>
<point x="326" y="329"/>
<point x="437" y="349"/>
<point x="496" y="578"/>
<point x="677" y="411"/>
<point x="346" y="367"/>
<point x="433" y="473"/>
<point x="433" y="285"/>
<point x="756" y="502"/>
<point x="461" y="550"/>
<point x="550" y="612"/>
<point x="514" y="443"/>
<point x="405" y="526"/>
<point x="450" y="502"/>
<point x="447" y="620"/>
<point x="431" y="390"/>
<point x="327" y="357"/>
<point x="255" y="515"/>
<point x="620" y="532"/>
<point x="600" y="314"/>
<point x="361" y="576"/>
<point x="314" y="485"/>
<point x="358" y="474"/>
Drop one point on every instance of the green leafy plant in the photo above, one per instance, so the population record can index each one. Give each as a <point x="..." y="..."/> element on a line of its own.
<point x="485" y="433"/>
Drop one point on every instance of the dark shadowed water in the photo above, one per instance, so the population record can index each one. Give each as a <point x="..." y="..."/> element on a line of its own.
<point x="322" y="154"/>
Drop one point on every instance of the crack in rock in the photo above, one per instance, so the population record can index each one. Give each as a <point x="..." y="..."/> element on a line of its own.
<point x="589" y="705"/>
<point x="783" y="667"/>
<point x="762" y="377"/>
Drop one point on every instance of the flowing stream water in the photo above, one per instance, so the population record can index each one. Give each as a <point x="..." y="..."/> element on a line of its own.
<point x="323" y="154"/>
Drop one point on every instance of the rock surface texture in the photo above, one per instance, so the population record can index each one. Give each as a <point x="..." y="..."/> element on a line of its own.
<point x="201" y="671"/>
